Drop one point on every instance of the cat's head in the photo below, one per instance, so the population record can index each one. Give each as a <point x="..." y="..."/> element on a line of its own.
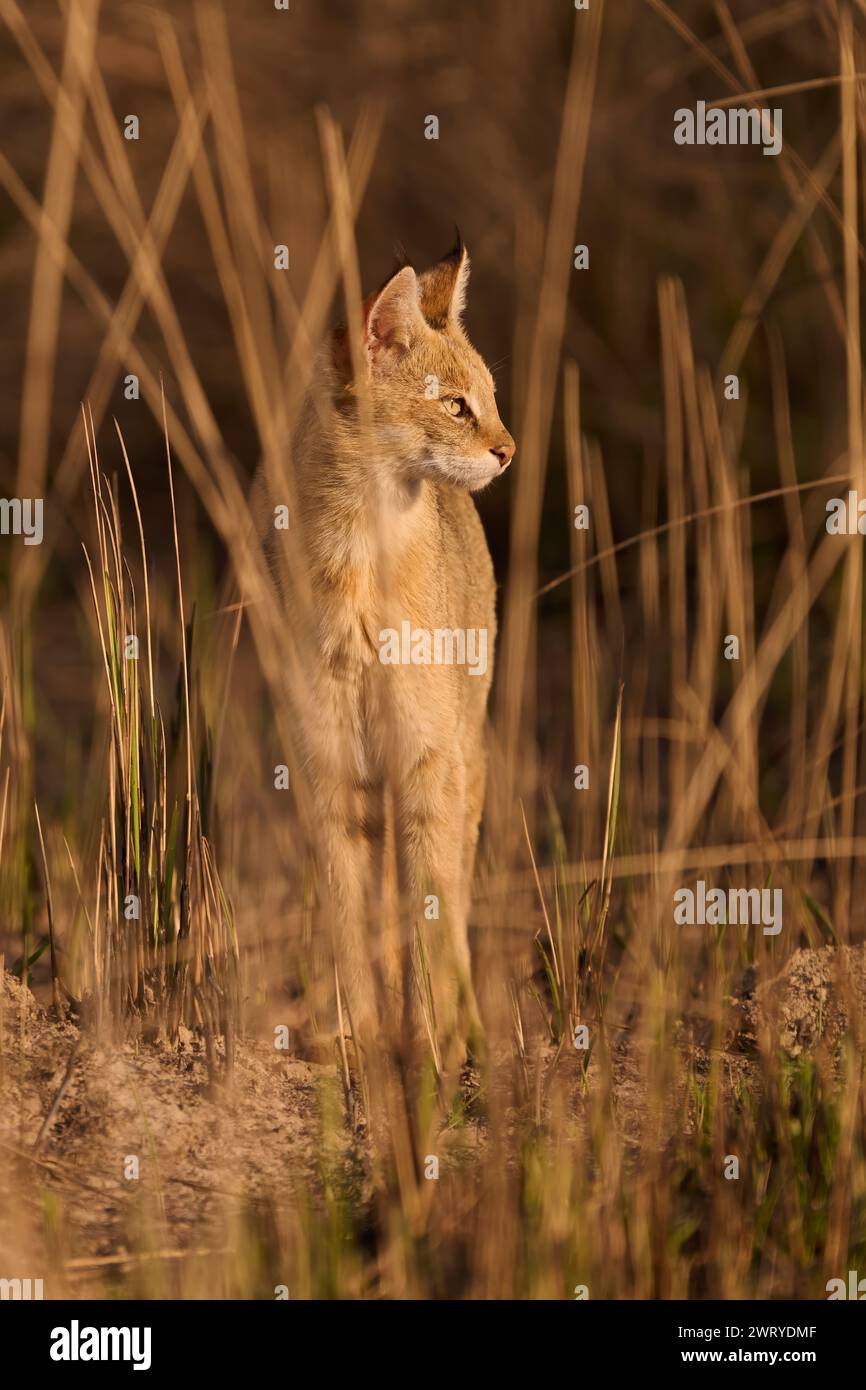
<point x="431" y="395"/>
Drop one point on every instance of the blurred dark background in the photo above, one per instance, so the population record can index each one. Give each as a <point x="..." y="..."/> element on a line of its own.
<point x="495" y="76"/>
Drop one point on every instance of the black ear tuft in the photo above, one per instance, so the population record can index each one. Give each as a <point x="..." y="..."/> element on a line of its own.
<point x="401" y="260"/>
<point x="458" y="251"/>
<point x="443" y="286"/>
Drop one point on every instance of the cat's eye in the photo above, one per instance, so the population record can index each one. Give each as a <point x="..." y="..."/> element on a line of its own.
<point x="456" y="406"/>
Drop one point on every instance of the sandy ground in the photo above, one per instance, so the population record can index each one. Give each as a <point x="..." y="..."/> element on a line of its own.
<point x="197" y="1140"/>
<point x="817" y="998"/>
<point x="74" y="1111"/>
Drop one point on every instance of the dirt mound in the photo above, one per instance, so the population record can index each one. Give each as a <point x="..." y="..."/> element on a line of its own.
<point x="131" y="1136"/>
<point x="818" y="997"/>
<point x="117" y="1126"/>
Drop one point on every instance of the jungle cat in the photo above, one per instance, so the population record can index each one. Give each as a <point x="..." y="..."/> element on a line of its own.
<point x="395" y="435"/>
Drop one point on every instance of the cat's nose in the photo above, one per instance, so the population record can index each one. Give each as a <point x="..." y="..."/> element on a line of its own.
<point x="504" y="452"/>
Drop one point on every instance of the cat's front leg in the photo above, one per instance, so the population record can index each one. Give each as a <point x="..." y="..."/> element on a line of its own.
<point x="431" y="816"/>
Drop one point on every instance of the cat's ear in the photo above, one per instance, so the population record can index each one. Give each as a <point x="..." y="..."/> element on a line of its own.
<point x="393" y="318"/>
<point x="443" y="287"/>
